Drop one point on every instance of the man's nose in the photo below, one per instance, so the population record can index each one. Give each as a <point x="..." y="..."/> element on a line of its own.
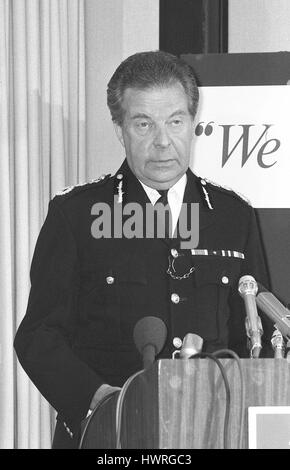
<point x="161" y="138"/>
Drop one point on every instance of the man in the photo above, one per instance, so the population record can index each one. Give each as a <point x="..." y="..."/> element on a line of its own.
<point x="87" y="293"/>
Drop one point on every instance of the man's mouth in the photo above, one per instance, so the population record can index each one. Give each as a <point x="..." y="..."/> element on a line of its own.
<point x="163" y="162"/>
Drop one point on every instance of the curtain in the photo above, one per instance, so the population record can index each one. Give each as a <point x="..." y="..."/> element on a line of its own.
<point x="42" y="150"/>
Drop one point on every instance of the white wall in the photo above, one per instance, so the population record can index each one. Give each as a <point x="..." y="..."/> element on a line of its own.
<point x="115" y="29"/>
<point x="259" y="25"/>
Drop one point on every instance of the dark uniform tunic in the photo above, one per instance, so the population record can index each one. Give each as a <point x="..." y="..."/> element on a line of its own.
<point x="87" y="294"/>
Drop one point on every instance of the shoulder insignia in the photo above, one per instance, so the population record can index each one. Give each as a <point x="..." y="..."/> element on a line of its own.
<point x="205" y="181"/>
<point x="80" y="186"/>
<point x="204" y="193"/>
<point x="120" y="187"/>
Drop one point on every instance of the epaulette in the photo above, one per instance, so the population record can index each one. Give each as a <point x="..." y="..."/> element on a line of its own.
<point x="72" y="190"/>
<point x="225" y="189"/>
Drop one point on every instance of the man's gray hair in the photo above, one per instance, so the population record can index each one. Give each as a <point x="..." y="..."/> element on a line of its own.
<point x="146" y="70"/>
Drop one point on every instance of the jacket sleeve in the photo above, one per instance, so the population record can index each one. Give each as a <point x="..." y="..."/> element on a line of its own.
<point x="43" y="342"/>
<point x="254" y="265"/>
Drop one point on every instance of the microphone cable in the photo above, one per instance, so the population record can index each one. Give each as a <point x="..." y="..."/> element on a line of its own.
<point x="229" y="352"/>
<point x="212" y="356"/>
<point x="227" y="389"/>
<point x="88" y="420"/>
<point x="119" y="406"/>
<point x="119" y="410"/>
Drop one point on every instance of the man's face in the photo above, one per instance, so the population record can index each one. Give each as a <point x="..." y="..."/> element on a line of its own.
<point x="157" y="133"/>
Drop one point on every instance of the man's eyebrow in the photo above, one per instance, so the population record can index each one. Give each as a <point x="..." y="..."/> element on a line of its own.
<point x="178" y="112"/>
<point x="140" y="115"/>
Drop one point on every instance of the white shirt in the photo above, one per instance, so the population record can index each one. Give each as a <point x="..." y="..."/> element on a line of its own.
<point x="175" y="198"/>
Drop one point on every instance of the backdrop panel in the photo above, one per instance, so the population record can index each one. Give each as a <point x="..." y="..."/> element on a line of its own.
<point x="242" y="141"/>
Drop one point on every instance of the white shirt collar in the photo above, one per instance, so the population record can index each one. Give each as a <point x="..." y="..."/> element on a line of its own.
<point x="175" y="193"/>
<point x="175" y="198"/>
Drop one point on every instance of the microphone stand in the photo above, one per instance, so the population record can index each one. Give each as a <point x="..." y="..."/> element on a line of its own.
<point x="278" y="344"/>
<point x="254" y="338"/>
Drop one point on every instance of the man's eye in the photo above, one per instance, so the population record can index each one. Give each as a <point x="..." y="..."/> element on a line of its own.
<point x="143" y="124"/>
<point x="176" y="122"/>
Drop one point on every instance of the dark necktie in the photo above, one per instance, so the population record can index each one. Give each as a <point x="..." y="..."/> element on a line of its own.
<point x="167" y="218"/>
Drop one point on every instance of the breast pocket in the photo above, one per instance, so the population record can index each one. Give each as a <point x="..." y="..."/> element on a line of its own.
<point x="214" y="280"/>
<point x="110" y="303"/>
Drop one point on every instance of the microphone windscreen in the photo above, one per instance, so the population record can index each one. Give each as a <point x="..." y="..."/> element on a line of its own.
<point x="247" y="285"/>
<point x="150" y="330"/>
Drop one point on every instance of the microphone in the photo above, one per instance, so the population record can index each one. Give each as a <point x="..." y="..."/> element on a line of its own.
<point x="278" y="344"/>
<point x="191" y="346"/>
<point x="248" y="289"/>
<point x="149" y="337"/>
<point x="274" y="309"/>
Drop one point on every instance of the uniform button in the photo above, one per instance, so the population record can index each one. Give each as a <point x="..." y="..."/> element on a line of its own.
<point x="225" y="280"/>
<point x="175" y="298"/>
<point x="203" y="182"/>
<point x="110" y="280"/>
<point x="177" y="342"/>
<point x="174" y="253"/>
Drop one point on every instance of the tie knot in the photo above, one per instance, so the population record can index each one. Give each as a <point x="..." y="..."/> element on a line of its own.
<point x="163" y="192"/>
<point x="163" y="196"/>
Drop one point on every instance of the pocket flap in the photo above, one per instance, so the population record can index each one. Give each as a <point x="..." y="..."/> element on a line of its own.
<point x="222" y="272"/>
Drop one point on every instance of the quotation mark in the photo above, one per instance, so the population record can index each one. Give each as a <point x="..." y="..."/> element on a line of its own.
<point x="207" y="130"/>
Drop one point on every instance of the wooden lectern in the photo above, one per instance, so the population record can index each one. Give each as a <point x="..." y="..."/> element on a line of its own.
<point x="180" y="404"/>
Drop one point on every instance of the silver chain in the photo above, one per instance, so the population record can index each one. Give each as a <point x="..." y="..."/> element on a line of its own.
<point x="171" y="267"/>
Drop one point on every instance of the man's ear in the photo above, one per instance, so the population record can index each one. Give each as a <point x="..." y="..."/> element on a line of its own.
<point x="119" y="132"/>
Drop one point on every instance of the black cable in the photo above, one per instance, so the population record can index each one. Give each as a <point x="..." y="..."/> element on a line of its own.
<point x="121" y="396"/>
<point x="119" y="407"/>
<point x="229" y="352"/>
<point x="88" y="420"/>
<point x="228" y="394"/>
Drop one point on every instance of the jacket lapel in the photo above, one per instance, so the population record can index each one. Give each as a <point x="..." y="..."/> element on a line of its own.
<point x="133" y="190"/>
<point x="193" y="194"/>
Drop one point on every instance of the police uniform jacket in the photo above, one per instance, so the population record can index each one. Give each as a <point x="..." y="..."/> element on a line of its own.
<point x="87" y="294"/>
